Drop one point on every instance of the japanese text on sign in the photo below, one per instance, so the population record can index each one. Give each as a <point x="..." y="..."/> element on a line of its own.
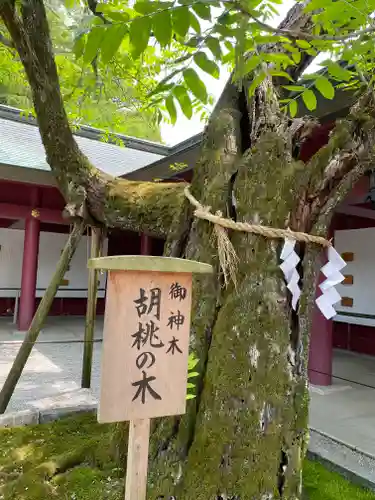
<point x="149" y="303"/>
<point x="146" y="343"/>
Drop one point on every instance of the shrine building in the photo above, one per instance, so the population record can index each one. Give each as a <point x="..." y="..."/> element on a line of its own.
<point x="33" y="231"/>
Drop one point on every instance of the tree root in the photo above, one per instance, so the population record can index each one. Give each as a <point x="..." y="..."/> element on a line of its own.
<point x="62" y="464"/>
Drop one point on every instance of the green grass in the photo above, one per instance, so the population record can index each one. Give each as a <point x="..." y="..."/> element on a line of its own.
<point x="70" y="460"/>
<point x="322" y="484"/>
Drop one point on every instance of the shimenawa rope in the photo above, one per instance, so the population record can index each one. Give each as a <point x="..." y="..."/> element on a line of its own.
<point x="227" y="255"/>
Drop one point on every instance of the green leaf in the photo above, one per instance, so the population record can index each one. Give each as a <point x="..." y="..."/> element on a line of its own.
<point x="79" y="46"/>
<point x="118" y="17"/>
<point x="278" y="59"/>
<point x="206" y="64"/>
<point x="181" y="20"/>
<point x="284" y="74"/>
<point x="338" y="72"/>
<point x="296" y="56"/>
<point x="289" y="47"/>
<point x="310" y="76"/>
<point x="112" y="40"/>
<point x="230" y="18"/>
<point x="184" y="101"/>
<point x="202" y="10"/>
<point x="214" y="45"/>
<point x="195" y="84"/>
<point x="293" y="107"/>
<point x="162" y="27"/>
<point x="147" y="7"/>
<point x="325" y="87"/>
<point x="312" y="52"/>
<point x="309" y="99"/>
<point x="303" y="44"/>
<point x="140" y="29"/>
<point x="190" y="385"/>
<point x="229" y="45"/>
<point x="192" y="362"/>
<point x="194" y="23"/>
<point x="295" y="88"/>
<point x="163" y="85"/>
<point x="190" y="396"/>
<point x="94" y="40"/>
<point x="252" y="63"/>
<point x="225" y="31"/>
<point x="193" y="374"/>
<point x="193" y="41"/>
<point x="169" y="104"/>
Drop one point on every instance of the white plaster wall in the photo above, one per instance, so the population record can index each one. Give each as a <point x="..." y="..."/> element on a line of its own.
<point x="50" y="247"/>
<point x="362" y="243"/>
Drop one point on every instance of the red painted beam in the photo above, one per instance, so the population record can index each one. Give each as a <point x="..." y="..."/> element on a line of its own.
<point x="16" y="212"/>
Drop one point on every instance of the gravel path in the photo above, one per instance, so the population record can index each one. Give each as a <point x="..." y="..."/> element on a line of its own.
<point x="55" y="364"/>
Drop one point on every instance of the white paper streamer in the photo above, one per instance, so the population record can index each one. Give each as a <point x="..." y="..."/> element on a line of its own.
<point x="330" y="295"/>
<point x="290" y="260"/>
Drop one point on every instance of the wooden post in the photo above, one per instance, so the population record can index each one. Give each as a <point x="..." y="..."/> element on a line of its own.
<point x="40" y="316"/>
<point x="29" y="273"/>
<point x="92" y="293"/>
<point x="29" y="264"/>
<point x="145" y="349"/>
<point x="137" y="463"/>
<point x="146" y="244"/>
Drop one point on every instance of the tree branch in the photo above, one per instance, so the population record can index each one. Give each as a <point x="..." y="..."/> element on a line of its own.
<point x="31" y="38"/>
<point x="335" y="167"/>
<point x="90" y="193"/>
<point x="264" y="111"/>
<point x="92" y="4"/>
<point x="295" y="19"/>
<point x="298" y="34"/>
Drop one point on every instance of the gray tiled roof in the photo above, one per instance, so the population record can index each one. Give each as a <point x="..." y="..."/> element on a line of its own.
<point x="21" y="145"/>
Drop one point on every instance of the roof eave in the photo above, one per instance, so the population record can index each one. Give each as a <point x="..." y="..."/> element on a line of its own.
<point x="14" y="114"/>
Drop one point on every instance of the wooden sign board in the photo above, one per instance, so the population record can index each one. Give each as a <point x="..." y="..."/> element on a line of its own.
<point x="146" y="345"/>
<point x="145" y="349"/>
<point x="146" y="336"/>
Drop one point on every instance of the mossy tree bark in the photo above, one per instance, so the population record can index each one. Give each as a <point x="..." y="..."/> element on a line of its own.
<point x="244" y="436"/>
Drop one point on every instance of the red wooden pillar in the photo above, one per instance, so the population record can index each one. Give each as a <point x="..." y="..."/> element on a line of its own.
<point x="321" y="335"/>
<point x="321" y="350"/>
<point x="146" y="244"/>
<point x="29" y="267"/>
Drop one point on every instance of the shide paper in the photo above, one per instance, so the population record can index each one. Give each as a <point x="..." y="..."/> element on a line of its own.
<point x="330" y="295"/>
<point x="289" y="268"/>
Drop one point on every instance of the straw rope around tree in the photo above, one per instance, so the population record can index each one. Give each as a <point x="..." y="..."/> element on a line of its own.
<point x="227" y="256"/>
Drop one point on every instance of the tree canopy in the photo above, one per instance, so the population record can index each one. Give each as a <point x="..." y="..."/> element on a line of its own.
<point x="108" y="95"/>
<point x="127" y="65"/>
<point x="240" y="34"/>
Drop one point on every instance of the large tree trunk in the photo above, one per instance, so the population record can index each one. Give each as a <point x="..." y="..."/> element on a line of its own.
<point x="244" y="436"/>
